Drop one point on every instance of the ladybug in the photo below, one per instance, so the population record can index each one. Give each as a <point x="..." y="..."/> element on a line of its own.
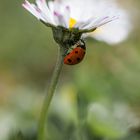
<point x="76" y="55"/>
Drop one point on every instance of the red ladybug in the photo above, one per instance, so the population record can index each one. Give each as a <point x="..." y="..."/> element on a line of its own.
<point x="76" y="55"/>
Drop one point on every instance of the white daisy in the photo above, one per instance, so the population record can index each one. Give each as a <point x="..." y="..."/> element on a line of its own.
<point x="85" y="16"/>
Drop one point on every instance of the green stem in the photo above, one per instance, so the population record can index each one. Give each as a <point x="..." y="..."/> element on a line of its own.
<point x="49" y="95"/>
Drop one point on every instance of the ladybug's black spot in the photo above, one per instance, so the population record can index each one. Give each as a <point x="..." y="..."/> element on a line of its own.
<point x="69" y="60"/>
<point x="76" y="51"/>
<point x="78" y="59"/>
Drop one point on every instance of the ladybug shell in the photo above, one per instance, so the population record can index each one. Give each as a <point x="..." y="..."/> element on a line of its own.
<point x="75" y="56"/>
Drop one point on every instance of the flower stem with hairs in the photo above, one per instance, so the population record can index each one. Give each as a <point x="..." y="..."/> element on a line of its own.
<point x="50" y="93"/>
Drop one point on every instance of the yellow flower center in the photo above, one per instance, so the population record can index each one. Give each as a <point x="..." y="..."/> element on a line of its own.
<point x="72" y="22"/>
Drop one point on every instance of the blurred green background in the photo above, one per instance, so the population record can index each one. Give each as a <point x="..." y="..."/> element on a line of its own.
<point x="99" y="99"/>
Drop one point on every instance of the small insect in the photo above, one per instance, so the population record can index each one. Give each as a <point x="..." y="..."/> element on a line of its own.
<point x="76" y="55"/>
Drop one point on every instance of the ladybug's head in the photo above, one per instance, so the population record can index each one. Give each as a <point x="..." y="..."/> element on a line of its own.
<point x="81" y="44"/>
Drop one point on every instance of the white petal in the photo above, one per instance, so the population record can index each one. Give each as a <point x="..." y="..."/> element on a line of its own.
<point x="102" y="22"/>
<point x="42" y="5"/>
<point x="61" y="13"/>
<point x="94" y="23"/>
<point x="66" y="15"/>
<point x="59" y="19"/>
<point x="51" y="6"/>
<point x="113" y="32"/>
<point x="106" y="21"/>
<point x="31" y="8"/>
<point x="83" y="25"/>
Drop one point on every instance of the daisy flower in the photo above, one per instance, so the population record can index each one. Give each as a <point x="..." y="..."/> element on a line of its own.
<point x="79" y="18"/>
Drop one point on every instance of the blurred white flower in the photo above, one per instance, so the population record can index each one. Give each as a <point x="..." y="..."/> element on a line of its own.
<point x="7" y="123"/>
<point x="83" y="15"/>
